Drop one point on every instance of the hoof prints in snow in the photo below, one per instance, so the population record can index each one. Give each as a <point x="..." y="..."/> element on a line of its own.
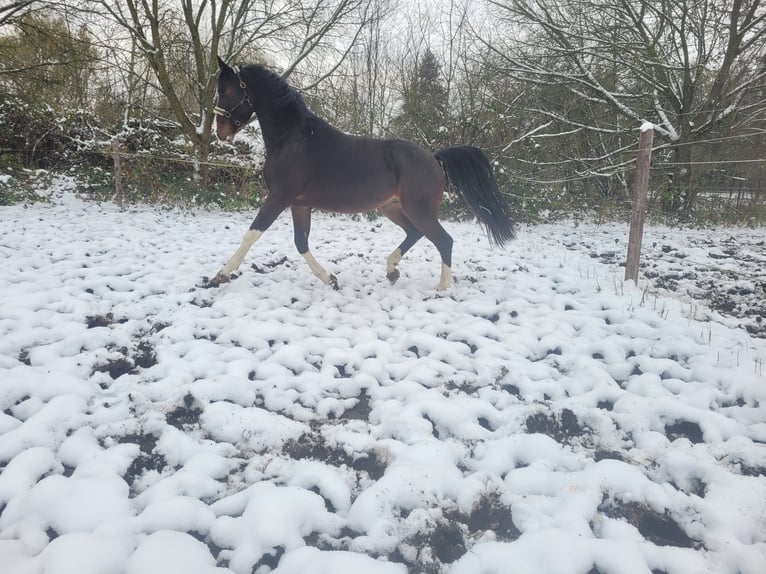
<point x="273" y="424"/>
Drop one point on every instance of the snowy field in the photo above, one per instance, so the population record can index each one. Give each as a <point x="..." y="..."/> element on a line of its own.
<point x="539" y="417"/>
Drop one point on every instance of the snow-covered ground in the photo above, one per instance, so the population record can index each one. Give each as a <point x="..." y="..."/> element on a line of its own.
<point x="541" y="416"/>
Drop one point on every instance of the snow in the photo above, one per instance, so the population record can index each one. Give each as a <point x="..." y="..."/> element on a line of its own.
<point x="540" y="416"/>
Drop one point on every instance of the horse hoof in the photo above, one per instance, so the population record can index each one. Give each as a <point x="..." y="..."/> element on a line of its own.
<point x="220" y="279"/>
<point x="334" y="282"/>
<point x="393" y="276"/>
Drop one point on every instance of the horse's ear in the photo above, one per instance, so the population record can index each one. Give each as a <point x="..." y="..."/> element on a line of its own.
<point x="222" y="65"/>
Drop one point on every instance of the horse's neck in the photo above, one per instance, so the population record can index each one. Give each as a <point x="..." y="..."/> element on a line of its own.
<point x="278" y="125"/>
<point x="279" y="122"/>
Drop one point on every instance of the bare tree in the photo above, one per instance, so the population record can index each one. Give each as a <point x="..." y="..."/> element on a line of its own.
<point x="359" y="96"/>
<point x="691" y="67"/>
<point x="46" y="60"/>
<point x="13" y="10"/>
<point x="180" y="41"/>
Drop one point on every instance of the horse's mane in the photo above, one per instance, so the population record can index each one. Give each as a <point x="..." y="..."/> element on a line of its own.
<point x="278" y="91"/>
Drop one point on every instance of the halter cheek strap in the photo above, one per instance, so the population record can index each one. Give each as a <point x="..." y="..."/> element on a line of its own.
<point x="245" y="100"/>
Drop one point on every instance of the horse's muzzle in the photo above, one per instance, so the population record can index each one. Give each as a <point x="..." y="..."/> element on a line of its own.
<point x="224" y="129"/>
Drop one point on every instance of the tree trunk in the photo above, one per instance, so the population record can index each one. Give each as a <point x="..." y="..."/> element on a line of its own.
<point x="680" y="187"/>
<point x="202" y="167"/>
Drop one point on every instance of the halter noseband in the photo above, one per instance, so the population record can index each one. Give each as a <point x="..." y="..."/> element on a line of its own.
<point x="219" y="111"/>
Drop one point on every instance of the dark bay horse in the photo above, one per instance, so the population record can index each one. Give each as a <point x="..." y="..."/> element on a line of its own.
<point x="309" y="164"/>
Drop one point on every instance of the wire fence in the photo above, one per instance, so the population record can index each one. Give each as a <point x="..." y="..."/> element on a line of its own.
<point x="234" y="177"/>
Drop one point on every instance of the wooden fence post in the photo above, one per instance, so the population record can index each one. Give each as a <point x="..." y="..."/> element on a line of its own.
<point x="640" y="194"/>
<point x="117" y="172"/>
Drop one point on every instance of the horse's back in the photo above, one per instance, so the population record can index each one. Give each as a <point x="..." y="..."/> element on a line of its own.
<point x="322" y="167"/>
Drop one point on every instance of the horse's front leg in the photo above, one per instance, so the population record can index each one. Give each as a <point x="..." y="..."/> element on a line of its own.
<point x="266" y="215"/>
<point x="301" y="230"/>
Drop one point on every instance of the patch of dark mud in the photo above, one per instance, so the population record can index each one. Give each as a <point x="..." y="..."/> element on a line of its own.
<point x="738" y="402"/>
<point x="746" y="469"/>
<point x="116" y="367"/>
<point x="147" y="459"/>
<point x="722" y="302"/>
<point x="737" y="290"/>
<point x="667" y="281"/>
<point x="435" y="429"/>
<point x="694" y="485"/>
<point x="370" y="463"/>
<point x="414" y="350"/>
<point x="144" y="356"/>
<point x="145" y="442"/>
<point x="325" y="542"/>
<point x="159" y="326"/>
<point x="24" y="357"/>
<point x="215" y="550"/>
<point x="93" y="321"/>
<point x="660" y="529"/>
<point x="489" y="514"/>
<point x="447" y="540"/>
<point x="602" y="454"/>
<point x="607" y="256"/>
<point x="561" y="427"/>
<point x="343" y="372"/>
<point x="201" y="302"/>
<point x="550" y="353"/>
<point x="361" y="410"/>
<point x="144" y="463"/>
<point x="267" y="265"/>
<point x="471" y="346"/>
<point x="596" y="570"/>
<point x="605" y="405"/>
<point x="186" y="414"/>
<point x="428" y="552"/>
<point x="208" y="283"/>
<point x="105" y="320"/>
<point x="758" y="327"/>
<point x="465" y="387"/>
<point x="329" y="506"/>
<point x="484" y="423"/>
<point x="314" y="447"/>
<point x="491" y="317"/>
<point x="684" y="429"/>
<point x="269" y="560"/>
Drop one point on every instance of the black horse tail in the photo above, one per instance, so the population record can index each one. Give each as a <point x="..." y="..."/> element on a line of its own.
<point x="469" y="173"/>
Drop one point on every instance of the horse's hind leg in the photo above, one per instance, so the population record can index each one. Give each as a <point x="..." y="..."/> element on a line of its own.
<point x="423" y="216"/>
<point x="393" y="211"/>
<point x="266" y="215"/>
<point x="301" y="229"/>
<point x="443" y="242"/>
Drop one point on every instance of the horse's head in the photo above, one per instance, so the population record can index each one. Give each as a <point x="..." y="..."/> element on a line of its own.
<point x="233" y="106"/>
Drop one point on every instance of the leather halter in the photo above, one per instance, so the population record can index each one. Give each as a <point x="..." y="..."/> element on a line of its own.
<point x="219" y="111"/>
